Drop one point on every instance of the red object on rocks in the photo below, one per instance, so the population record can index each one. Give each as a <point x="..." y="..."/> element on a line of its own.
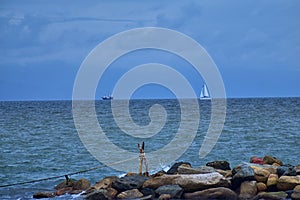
<point x="257" y="160"/>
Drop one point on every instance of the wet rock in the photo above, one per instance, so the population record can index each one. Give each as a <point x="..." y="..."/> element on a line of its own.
<point x="271" y="196"/>
<point x="290" y="171"/>
<point x="240" y="174"/>
<point x="270" y="160"/>
<point x="189" y="182"/>
<point x="174" y="168"/>
<point x="272" y="180"/>
<point x="212" y="193"/>
<point x="105" y="183"/>
<point x="63" y="191"/>
<point x="40" y="195"/>
<point x="175" y="191"/>
<point x="260" y="174"/>
<point x="129" y="182"/>
<point x="288" y="182"/>
<point x="219" y="164"/>
<point x="164" y="197"/>
<point x="261" y="187"/>
<point x="248" y="190"/>
<point x="256" y="160"/>
<point x="130" y="194"/>
<point x="81" y="184"/>
<point x="182" y="169"/>
<point x="65" y="184"/>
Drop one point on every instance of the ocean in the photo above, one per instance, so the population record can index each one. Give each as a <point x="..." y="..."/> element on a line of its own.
<point x="39" y="138"/>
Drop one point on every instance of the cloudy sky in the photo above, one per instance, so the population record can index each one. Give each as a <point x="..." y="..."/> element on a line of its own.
<point x="255" y="44"/>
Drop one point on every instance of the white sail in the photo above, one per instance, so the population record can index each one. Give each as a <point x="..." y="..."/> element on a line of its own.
<point x="204" y="92"/>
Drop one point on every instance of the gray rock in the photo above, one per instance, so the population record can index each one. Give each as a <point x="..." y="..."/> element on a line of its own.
<point x="291" y="171"/>
<point x="129" y="183"/>
<point x="97" y="195"/>
<point x="40" y="195"/>
<point x="175" y="191"/>
<point x="220" y="193"/>
<point x="200" y="170"/>
<point x="248" y="190"/>
<point x="174" y="168"/>
<point x="240" y="174"/>
<point x="271" y="196"/>
<point x="189" y="182"/>
<point x="130" y="194"/>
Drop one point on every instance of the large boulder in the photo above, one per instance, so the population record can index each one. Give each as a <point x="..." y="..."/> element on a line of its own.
<point x="260" y="174"/>
<point x="240" y="174"/>
<point x="105" y="182"/>
<point x="81" y="184"/>
<point x="129" y="183"/>
<point x="271" y="196"/>
<point x="272" y="180"/>
<point x="288" y="182"/>
<point x="174" y="167"/>
<point x="271" y="160"/>
<point x="175" y="191"/>
<point x="248" y="190"/>
<point x="182" y="169"/>
<point x="220" y="193"/>
<point x="96" y="195"/>
<point x="189" y="182"/>
<point x="130" y="194"/>
<point x="219" y="164"/>
<point x="296" y="193"/>
<point x="41" y="195"/>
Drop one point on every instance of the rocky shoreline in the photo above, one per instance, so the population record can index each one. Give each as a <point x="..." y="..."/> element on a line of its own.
<point x="261" y="178"/>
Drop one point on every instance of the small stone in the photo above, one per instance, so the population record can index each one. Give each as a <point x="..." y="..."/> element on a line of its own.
<point x="288" y="182"/>
<point x="270" y="160"/>
<point x="212" y="193"/>
<point x="219" y="164"/>
<point x="174" y="168"/>
<point x="272" y="180"/>
<point x="261" y="187"/>
<point x="40" y="195"/>
<point x="296" y="194"/>
<point x="81" y="184"/>
<point x="164" y="197"/>
<point x="260" y="174"/>
<point x="130" y="194"/>
<point x="248" y="189"/>
<point x="175" y="191"/>
<point x="256" y="160"/>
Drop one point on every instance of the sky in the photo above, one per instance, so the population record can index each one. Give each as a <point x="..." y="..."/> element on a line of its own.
<point x="255" y="44"/>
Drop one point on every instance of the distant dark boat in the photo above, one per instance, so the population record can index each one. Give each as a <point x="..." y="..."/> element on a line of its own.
<point x="108" y="97"/>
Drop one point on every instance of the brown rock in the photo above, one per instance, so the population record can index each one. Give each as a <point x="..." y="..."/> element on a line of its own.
<point x="164" y="197"/>
<point x="296" y="193"/>
<point x="270" y="160"/>
<point x="105" y="183"/>
<point x="272" y="180"/>
<point x="248" y="189"/>
<point x="40" y="195"/>
<point x="288" y="182"/>
<point x="65" y="184"/>
<point x="185" y="169"/>
<point x="261" y="187"/>
<point x="81" y="184"/>
<point x="63" y="191"/>
<point x="219" y="164"/>
<point x="189" y="182"/>
<point x="260" y="174"/>
<point x="225" y="173"/>
<point x="212" y="193"/>
<point x="271" y="196"/>
<point x="272" y="169"/>
<point x="130" y="194"/>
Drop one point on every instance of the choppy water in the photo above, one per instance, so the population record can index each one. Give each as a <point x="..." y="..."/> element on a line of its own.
<point x="39" y="138"/>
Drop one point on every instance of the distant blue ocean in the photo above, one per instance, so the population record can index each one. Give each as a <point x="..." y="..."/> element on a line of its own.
<point x="39" y="138"/>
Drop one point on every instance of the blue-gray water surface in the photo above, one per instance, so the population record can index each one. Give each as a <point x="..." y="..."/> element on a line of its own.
<point x="39" y="138"/>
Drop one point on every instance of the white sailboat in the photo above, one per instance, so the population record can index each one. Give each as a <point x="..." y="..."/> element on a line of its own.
<point x="204" y="93"/>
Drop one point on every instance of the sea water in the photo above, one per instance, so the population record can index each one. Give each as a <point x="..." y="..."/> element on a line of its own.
<point x="39" y="138"/>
